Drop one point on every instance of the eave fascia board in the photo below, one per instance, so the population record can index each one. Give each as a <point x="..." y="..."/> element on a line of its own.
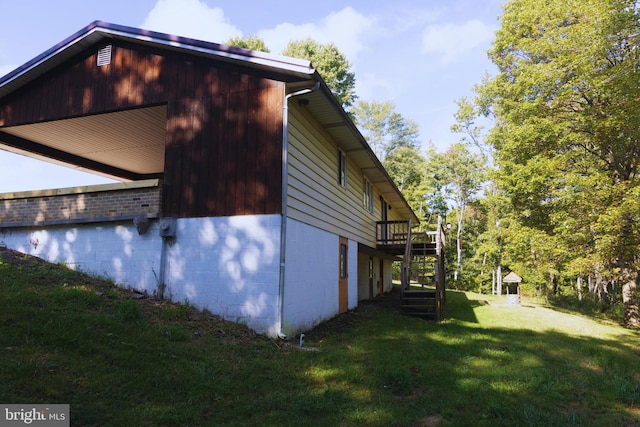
<point x="277" y="62"/>
<point x="99" y="30"/>
<point x="373" y="160"/>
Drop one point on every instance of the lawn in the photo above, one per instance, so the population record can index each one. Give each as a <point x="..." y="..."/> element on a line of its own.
<point x="117" y="360"/>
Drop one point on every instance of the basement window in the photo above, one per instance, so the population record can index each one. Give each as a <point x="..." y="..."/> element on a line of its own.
<point x="104" y="56"/>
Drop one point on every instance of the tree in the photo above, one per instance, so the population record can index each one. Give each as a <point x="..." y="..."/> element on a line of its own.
<point x="249" y="42"/>
<point x="384" y="128"/>
<point x="332" y="65"/>
<point x="411" y="173"/>
<point x="465" y="124"/>
<point x="567" y="119"/>
<point x="462" y="174"/>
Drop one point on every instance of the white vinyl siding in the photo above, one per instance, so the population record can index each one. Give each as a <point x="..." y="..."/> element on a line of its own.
<point x="314" y="196"/>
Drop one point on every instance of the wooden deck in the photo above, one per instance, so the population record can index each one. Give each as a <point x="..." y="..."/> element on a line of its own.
<point x="422" y="274"/>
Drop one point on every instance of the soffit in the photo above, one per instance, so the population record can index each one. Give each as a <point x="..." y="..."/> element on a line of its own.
<point x="132" y="140"/>
<point x="325" y="109"/>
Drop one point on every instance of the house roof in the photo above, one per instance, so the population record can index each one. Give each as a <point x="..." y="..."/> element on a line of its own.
<point x="297" y="73"/>
<point x="512" y="278"/>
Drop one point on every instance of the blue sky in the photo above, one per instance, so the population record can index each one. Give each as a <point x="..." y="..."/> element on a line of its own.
<point x="422" y="55"/>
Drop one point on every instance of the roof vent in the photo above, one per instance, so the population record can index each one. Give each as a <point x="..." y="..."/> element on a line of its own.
<point x="104" y="56"/>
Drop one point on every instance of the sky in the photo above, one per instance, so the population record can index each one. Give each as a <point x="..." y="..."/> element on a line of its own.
<point x="422" y="55"/>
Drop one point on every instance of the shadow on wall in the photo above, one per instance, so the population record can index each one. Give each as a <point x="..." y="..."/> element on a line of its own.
<point x="112" y="250"/>
<point x="229" y="266"/>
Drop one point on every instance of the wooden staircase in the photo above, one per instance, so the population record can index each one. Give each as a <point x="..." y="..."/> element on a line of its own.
<point x="420" y="303"/>
<point x="422" y="275"/>
<point x="419" y="295"/>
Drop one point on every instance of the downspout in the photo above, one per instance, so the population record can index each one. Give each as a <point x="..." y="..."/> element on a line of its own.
<point x="285" y="184"/>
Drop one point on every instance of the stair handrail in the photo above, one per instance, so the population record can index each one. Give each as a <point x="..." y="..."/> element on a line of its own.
<point x="406" y="259"/>
<point x="440" y="279"/>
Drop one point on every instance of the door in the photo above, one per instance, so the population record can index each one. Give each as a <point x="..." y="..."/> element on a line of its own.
<point x="343" y="276"/>
<point x="371" y="294"/>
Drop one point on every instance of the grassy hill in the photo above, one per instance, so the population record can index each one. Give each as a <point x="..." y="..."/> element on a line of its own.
<point x="117" y="360"/>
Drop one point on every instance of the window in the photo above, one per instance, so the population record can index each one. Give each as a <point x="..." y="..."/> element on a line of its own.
<point x="342" y="169"/>
<point x="367" y="191"/>
<point x="343" y="261"/>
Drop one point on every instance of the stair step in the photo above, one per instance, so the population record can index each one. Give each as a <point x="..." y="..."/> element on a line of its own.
<point x="419" y="293"/>
<point x="419" y="312"/>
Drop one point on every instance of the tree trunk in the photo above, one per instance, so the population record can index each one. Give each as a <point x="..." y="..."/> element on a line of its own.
<point x="459" y="216"/>
<point x="630" y="298"/>
<point x="493" y="281"/>
<point x="579" y="288"/>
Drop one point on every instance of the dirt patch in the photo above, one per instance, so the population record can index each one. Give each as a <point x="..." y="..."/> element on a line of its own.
<point x="433" y="421"/>
<point x="18" y="258"/>
<point x="389" y="300"/>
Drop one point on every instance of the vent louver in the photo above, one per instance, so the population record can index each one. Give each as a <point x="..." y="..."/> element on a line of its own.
<point x="104" y="56"/>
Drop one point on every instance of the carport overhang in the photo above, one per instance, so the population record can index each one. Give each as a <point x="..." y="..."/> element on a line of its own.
<point x="124" y="145"/>
<point x="129" y="145"/>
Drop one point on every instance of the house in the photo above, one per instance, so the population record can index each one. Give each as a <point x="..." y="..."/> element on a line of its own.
<point x="244" y="187"/>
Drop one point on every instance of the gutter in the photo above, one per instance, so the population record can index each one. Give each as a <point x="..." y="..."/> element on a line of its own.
<point x="285" y="185"/>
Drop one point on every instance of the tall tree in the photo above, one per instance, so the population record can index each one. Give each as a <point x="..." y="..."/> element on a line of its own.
<point x="249" y="42"/>
<point x="462" y="172"/>
<point x="567" y="110"/>
<point x="466" y="124"/>
<point x="384" y="128"/>
<point x="332" y="65"/>
<point x="411" y="172"/>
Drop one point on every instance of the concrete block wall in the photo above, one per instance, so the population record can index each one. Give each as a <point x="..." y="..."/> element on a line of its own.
<point x="229" y="266"/>
<point x="311" y="289"/>
<point x="81" y="204"/>
<point x="114" y="250"/>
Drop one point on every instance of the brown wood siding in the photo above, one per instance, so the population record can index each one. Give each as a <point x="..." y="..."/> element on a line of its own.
<point x="224" y="123"/>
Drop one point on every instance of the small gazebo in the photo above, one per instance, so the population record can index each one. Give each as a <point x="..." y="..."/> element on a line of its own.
<point x="512" y="284"/>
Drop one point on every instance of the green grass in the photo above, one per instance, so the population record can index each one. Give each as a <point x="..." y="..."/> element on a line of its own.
<point x="69" y="338"/>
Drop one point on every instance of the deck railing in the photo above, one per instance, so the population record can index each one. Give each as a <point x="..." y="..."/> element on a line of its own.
<point x="398" y="237"/>
<point x="396" y="233"/>
<point x="392" y="232"/>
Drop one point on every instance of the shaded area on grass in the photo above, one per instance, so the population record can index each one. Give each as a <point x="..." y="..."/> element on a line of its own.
<point x="470" y="375"/>
<point x="120" y="361"/>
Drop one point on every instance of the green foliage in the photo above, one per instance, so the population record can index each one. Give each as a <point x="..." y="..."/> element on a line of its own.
<point x="460" y="173"/>
<point x="129" y="310"/>
<point x="565" y="138"/>
<point x="465" y="124"/>
<point x="384" y="129"/>
<point x="249" y="42"/>
<point x="331" y="64"/>
<point x="417" y="177"/>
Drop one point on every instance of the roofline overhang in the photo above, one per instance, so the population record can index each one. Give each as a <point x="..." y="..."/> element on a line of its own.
<point x="299" y="71"/>
<point x="388" y="188"/>
<point x="97" y="31"/>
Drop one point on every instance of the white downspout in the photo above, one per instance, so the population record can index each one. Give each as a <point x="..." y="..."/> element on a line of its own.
<point x="285" y="184"/>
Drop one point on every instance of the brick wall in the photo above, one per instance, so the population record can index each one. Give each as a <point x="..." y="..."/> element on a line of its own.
<point x="81" y="204"/>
